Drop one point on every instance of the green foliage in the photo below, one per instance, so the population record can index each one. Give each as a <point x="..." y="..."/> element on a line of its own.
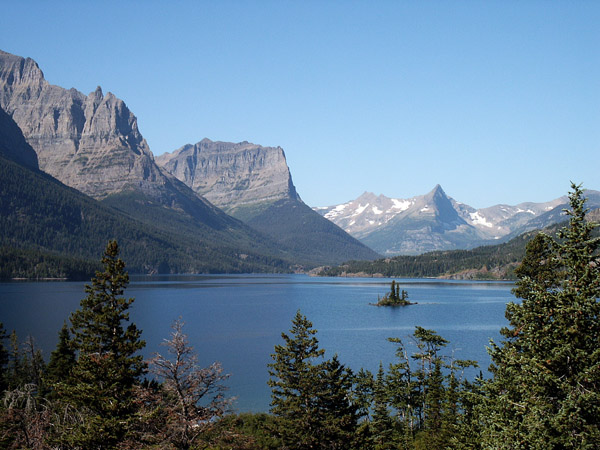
<point x="545" y="392"/>
<point x="395" y="297"/>
<point x="422" y="401"/>
<point x="101" y="383"/>
<point x="62" y="359"/>
<point x="310" y="397"/>
<point x="304" y="233"/>
<point x="50" y="230"/>
<point x="487" y="262"/>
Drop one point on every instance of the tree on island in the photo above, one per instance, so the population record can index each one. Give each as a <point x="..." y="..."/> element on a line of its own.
<point x="395" y="297"/>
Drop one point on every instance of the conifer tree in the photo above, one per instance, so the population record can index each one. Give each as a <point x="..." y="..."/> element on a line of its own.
<point x="339" y="413"/>
<point x="62" y="359"/>
<point x="294" y="378"/>
<point x="381" y="427"/>
<point x="545" y="392"/>
<point x="312" y="398"/>
<point x="102" y="380"/>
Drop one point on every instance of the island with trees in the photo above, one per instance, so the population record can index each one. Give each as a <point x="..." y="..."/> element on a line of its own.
<point x="395" y="297"/>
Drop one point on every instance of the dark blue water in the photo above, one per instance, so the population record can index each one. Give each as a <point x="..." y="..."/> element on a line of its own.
<point x="238" y="320"/>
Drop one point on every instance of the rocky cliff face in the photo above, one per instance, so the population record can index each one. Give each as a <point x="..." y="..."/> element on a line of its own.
<point x="91" y="143"/>
<point x="232" y="176"/>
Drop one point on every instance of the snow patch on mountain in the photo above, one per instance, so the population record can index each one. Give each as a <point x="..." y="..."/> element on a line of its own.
<point x="478" y="219"/>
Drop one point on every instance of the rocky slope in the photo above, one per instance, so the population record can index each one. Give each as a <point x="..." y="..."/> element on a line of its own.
<point x="435" y="221"/>
<point x="92" y="143"/>
<point x="236" y="177"/>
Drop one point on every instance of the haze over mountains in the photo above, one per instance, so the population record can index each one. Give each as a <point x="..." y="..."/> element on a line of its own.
<point x="92" y="143"/>
<point x="434" y="221"/>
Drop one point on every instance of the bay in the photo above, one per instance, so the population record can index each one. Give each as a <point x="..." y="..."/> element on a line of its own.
<point x="238" y="319"/>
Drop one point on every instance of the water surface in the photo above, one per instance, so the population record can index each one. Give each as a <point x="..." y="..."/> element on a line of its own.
<point x="238" y="319"/>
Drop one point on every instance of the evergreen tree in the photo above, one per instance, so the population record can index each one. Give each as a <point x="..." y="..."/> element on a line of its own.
<point x="294" y="384"/>
<point x="545" y="392"/>
<point x="107" y="368"/>
<point x="339" y="413"/>
<point x="381" y="427"/>
<point x="311" y="398"/>
<point x="62" y="359"/>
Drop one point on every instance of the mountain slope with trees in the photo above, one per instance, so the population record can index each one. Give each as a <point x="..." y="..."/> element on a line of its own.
<point x="50" y="230"/>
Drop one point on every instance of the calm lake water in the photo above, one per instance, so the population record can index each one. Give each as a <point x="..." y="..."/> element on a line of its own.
<point x="238" y="319"/>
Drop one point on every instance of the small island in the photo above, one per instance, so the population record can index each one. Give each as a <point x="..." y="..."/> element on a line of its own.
<point x="395" y="297"/>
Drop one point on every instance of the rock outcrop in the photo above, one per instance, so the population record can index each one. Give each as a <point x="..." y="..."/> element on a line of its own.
<point x="232" y="176"/>
<point x="91" y="143"/>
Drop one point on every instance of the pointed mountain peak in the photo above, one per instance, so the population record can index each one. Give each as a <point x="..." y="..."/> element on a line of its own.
<point x="16" y="70"/>
<point x="97" y="95"/>
<point x="366" y="197"/>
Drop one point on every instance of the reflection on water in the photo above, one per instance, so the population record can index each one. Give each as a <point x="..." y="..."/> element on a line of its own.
<point x="238" y="319"/>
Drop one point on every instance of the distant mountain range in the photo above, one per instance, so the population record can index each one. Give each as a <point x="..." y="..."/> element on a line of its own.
<point x="92" y="144"/>
<point x="435" y="221"/>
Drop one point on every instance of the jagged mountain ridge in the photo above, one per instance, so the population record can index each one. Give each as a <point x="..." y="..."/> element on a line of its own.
<point x="435" y="221"/>
<point x="93" y="144"/>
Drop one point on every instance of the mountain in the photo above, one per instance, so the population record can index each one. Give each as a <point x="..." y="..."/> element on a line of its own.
<point x="92" y="143"/>
<point x="253" y="183"/>
<point x="437" y="222"/>
<point x="238" y="178"/>
<point x="50" y="229"/>
<point x="489" y="262"/>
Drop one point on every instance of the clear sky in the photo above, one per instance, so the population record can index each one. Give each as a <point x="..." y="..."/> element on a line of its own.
<point x="497" y="101"/>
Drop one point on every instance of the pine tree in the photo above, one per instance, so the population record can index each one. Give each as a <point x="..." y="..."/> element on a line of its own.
<point x="337" y="410"/>
<point x="311" y="398"/>
<point x="107" y="368"/>
<point x="294" y="383"/>
<point x="545" y="392"/>
<point x="62" y="359"/>
<point x="381" y="426"/>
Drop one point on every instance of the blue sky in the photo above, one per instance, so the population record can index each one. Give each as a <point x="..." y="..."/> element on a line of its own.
<point x="499" y="102"/>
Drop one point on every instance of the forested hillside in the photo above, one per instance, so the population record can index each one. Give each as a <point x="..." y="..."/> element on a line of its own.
<point x="41" y="214"/>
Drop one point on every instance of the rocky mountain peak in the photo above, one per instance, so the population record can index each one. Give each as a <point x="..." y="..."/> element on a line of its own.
<point x="91" y="143"/>
<point x="232" y="175"/>
<point x="15" y="71"/>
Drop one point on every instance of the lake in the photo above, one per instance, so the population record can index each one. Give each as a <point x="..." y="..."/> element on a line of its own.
<point x="238" y="319"/>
